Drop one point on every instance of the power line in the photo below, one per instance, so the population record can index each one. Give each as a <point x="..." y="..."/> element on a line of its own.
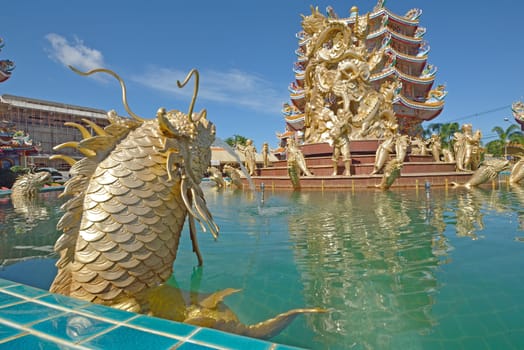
<point x="482" y="113"/>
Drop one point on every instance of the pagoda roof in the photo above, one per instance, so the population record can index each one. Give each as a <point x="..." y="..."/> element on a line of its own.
<point x="403" y="76"/>
<point x="401" y="19"/>
<point x="410" y="58"/>
<point x="395" y="35"/>
<point x="384" y="11"/>
<point x="285" y="134"/>
<point x="422" y="110"/>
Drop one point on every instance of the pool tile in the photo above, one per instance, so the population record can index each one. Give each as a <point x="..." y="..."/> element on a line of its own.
<point x="64" y="301"/>
<point x="107" y="312"/>
<point x="228" y="340"/>
<point x="6" y="283"/>
<point x="27" y="290"/>
<point x="193" y="346"/>
<point x="6" y="332"/>
<point x="28" y="312"/>
<point x="33" y="342"/>
<point x="162" y="325"/>
<point x="6" y="299"/>
<point x="285" y="347"/>
<point x="130" y="338"/>
<point x="72" y="327"/>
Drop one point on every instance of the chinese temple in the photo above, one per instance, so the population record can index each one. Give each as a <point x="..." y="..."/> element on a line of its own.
<point x="15" y="146"/>
<point x="391" y="45"/>
<point x="363" y="87"/>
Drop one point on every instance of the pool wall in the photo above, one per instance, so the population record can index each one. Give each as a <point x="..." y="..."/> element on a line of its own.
<point x="33" y="318"/>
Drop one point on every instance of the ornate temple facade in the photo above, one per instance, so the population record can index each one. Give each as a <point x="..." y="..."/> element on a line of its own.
<point x="340" y="59"/>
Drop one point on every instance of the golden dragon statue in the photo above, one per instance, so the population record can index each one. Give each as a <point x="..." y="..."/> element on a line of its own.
<point x="27" y="186"/>
<point x="129" y="198"/>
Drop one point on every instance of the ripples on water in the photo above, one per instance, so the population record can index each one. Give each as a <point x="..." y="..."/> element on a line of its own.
<point x="397" y="270"/>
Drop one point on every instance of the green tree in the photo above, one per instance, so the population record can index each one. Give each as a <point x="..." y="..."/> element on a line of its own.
<point x="511" y="134"/>
<point x="236" y="140"/>
<point x="444" y="130"/>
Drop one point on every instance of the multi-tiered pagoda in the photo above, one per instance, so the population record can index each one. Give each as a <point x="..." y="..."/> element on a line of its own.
<point x="6" y="66"/>
<point x="381" y="47"/>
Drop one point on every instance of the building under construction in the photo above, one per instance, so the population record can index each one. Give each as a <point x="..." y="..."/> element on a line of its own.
<point x="44" y="122"/>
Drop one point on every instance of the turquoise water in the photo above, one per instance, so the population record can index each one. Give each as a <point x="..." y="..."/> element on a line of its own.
<point x="397" y="270"/>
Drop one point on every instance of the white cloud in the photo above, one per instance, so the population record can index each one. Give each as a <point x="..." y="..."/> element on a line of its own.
<point x="74" y="53"/>
<point x="232" y="87"/>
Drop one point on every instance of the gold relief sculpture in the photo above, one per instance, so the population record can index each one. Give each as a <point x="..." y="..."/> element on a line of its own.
<point x="337" y="81"/>
<point x="129" y="198"/>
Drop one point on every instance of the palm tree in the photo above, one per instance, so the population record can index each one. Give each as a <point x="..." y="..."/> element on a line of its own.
<point x="446" y="132"/>
<point x="511" y="134"/>
<point x="236" y="140"/>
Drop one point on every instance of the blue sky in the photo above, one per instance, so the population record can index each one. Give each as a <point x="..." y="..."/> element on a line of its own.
<point x="244" y="51"/>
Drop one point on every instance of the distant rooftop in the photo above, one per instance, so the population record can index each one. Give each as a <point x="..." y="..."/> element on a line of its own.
<point x="26" y="102"/>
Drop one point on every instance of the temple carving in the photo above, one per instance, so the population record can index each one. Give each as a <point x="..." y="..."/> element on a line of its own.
<point x="358" y="76"/>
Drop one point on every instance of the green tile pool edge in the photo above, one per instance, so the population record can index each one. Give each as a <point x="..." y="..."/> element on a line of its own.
<point x="31" y="316"/>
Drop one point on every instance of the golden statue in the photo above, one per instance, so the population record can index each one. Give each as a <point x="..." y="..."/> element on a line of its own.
<point x="391" y="173"/>
<point x="384" y="149"/>
<point x="517" y="171"/>
<point x="401" y="147"/>
<point x="216" y="177"/>
<point x="128" y="200"/>
<point x="27" y="186"/>
<point x="265" y="154"/>
<point x="296" y="163"/>
<point x="467" y="148"/>
<point x="436" y="147"/>
<point x="249" y="151"/>
<point x="235" y="176"/>
<point x="488" y="171"/>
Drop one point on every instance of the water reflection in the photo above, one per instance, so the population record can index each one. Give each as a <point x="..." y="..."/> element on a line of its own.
<point x="370" y="256"/>
<point x="28" y="229"/>
<point x="392" y="266"/>
<point x="375" y="257"/>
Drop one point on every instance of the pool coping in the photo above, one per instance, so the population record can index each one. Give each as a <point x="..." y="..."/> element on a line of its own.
<point x="31" y="317"/>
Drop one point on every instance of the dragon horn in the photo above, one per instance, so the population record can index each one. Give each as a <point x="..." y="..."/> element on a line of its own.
<point x="195" y="91"/>
<point x="122" y="85"/>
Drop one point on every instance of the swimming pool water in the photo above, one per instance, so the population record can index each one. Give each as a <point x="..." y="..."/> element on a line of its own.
<point x="397" y="270"/>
